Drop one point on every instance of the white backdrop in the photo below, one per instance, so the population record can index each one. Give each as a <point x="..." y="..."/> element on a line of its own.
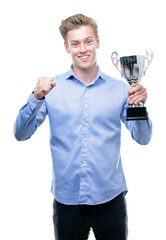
<point x="30" y="47"/>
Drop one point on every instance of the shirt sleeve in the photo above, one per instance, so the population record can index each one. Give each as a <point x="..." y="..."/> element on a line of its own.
<point x="141" y="130"/>
<point x="30" y="116"/>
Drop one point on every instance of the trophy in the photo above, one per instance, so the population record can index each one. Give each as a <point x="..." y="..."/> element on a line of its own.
<point x="132" y="68"/>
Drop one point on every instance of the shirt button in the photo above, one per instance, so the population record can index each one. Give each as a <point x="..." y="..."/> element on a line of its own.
<point x="84" y="142"/>
<point x="85" y="124"/>
<point x="84" y="161"/>
<point x="82" y="179"/>
<point x="27" y="116"/>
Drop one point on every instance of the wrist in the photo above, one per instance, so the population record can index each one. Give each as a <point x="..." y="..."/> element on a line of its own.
<point x="38" y="96"/>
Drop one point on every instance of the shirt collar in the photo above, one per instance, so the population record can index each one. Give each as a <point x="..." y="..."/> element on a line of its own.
<point x="70" y="74"/>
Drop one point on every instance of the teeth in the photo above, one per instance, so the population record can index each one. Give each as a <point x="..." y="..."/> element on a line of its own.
<point x="84" y="57"/>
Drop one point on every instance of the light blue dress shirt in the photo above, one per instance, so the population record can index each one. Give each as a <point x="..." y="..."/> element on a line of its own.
<point x="85" y="136"/>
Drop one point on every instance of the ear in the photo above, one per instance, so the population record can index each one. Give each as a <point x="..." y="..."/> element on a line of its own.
<point x="66" y="47"/>
<point x="98" y="42"/>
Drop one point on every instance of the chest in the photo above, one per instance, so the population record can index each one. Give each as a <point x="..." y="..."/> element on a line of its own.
<point x="95" y="102"/>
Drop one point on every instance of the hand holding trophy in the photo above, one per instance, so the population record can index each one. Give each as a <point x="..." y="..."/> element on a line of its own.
<point x="132" y="68"/>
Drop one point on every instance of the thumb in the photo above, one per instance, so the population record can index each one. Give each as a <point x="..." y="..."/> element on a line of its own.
<point x="53" y="84"/>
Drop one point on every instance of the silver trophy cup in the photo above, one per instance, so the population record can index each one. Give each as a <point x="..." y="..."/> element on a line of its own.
<point x="132" y="68"/>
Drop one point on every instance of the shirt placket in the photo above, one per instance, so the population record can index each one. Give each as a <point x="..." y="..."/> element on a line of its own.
<point x="84" y="146"/>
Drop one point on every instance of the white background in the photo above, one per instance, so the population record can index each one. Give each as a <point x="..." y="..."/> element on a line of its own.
<point x="30" y="47"/>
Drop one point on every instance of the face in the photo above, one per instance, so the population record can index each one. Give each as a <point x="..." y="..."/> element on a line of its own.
<point x="82" y="46"/>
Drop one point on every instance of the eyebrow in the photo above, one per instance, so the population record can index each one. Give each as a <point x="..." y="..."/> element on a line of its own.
<point x="78" y="40"/>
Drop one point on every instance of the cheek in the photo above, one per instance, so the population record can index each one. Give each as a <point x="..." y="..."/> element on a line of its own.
<point x="73" y="52"/>
<point x="73" y="55"/>
<point x="93" y="49"/>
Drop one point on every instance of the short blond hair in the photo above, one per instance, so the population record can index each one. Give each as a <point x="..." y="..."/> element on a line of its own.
<point x="77" y="21"/>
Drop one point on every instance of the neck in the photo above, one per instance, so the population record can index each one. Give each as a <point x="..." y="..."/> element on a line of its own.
<point x="85" y="75"/>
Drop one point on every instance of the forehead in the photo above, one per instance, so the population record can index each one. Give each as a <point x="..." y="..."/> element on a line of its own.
<point x="78" y="34"/>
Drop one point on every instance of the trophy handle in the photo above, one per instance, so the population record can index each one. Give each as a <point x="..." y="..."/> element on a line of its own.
<point x="115" y="61"/>
<point x="149" y="57"/>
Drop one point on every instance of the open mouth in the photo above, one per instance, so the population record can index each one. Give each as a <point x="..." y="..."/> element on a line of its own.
<point x="84" y="57"/>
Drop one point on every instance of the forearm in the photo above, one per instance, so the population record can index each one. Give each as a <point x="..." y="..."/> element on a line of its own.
<point x="29" y="118"/>
<point x="141" y="131"/>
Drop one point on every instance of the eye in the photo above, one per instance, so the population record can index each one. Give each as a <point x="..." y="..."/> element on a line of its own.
<point x="74" y="44"/>
<point x="89" y="42"/>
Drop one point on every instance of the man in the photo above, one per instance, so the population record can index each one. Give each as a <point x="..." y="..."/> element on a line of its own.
<point x="85" y="109"/>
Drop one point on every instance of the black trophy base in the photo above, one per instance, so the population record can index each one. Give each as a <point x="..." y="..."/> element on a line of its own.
<point x="136" y="113"/>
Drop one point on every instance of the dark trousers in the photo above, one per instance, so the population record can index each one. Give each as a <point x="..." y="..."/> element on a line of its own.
<point x="108" y="220"/>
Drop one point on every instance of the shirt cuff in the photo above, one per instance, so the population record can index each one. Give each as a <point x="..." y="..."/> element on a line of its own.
<point x="34" y="102"/>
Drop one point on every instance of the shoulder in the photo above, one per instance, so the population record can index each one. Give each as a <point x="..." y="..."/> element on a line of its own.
<point x="60" y="76"/>
<point x="111" y="80"/>
<point x="64" y="76"/>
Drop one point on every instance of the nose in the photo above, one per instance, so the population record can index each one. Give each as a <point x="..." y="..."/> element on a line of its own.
<point x="82" y="48"/>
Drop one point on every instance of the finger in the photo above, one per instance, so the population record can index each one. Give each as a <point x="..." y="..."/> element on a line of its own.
<point x="49" y="80"/>
<point x="136" y="94"/>
<point x="47" y="89"/>
<point x="134" y="85"/>
<point x="141" y="99"/>
<point x="135" y="88"/>
<point x="140" y="91"/>
<point x="53" y="84"/>
<point x="138" y="99"/>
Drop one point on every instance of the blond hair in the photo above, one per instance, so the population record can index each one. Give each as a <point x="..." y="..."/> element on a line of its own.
<point x="77" y="21"/>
